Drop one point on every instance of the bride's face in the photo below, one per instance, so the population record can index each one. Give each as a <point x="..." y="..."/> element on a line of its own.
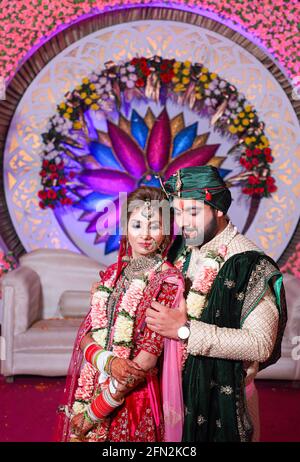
<point x="144" y="235"/>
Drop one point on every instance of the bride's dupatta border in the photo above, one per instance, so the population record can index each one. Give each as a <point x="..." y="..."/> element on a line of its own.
<point x="172" y="399"/>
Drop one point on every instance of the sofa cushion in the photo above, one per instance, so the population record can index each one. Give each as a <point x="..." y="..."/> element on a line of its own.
<point x="48" y="334"/>
<point x="74" y="303"/>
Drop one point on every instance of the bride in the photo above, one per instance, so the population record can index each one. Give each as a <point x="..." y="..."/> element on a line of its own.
<point x="117" y="389"/>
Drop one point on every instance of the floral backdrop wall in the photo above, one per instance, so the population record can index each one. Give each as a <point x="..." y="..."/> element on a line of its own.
<point x="23" y="23"/>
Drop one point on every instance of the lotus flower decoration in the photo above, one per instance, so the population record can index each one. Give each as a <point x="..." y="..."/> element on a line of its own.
<point x="131" y="153"/>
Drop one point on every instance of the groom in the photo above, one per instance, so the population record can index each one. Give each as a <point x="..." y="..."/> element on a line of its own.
<point x="236" y="310"/>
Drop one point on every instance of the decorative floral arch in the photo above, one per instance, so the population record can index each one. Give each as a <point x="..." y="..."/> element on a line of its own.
<point x="83" y="166"/>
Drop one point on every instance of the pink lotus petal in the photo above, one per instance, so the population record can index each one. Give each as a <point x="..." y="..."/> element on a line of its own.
<point x="192" y="158"/>
<point x="108" y="181"/>
<point x="127" y="151"/>
<point x="158" y="148"/>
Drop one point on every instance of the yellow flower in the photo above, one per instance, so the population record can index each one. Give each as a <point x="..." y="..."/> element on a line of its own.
<point x="185" y="80"/>
<point x="70" y="110"/>
<point x="186" y="72"/>
<point x="177" y="64"/>
<point x="198" y="96"/>
<point x="248" y="140"/>
<point x="175" y="79"/>
<point x="206" y="85"/>
<point x="204" y="70"/>
<point x="251" y="115"/>
<point x="236" y="121"/>
<point x="62" y="106"/>
<point x="78" y="88"/>
<point x="77" y="125"/>
<point x="187" y="63"/>
<point x="203" y="78"/>
<point x="179" y="87"/>
<point x="83" y="95"/>
<point x="92" y="86"/>
<point x="241" y="128"/>
<point x="232" y="129"/>
<point x="213" y="75"/>
<point x="66" y="115"/>
<point x="176" y="70"/>
<point x="253" y="138"/>
<point x="94" y="107"/>
<point x="264" y="139"/>
<point x="248" y="108"/>
<point x="245" y="122"/>
<point x="94" y="96"/>
<point x="88" y="101"/>
<point x="85" y="81"/>
<point x="241" y="115"/>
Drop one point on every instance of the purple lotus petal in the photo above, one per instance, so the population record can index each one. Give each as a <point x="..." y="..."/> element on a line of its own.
<point x="88" y="216"/>
<point x="108" y="181"/>
<point x="192" y="158"/>
<point x="127" y="151"/>
<point x="159" y="143"/>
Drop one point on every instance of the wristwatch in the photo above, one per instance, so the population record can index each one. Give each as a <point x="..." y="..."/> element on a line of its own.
<point x="184" y="331"/>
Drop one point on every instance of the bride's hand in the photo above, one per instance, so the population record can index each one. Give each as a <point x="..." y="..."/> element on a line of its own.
<point x="124" y="369"/>
<point x="80" y="426"/>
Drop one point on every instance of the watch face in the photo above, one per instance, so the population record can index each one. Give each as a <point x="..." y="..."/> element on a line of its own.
<point x="183" y="332"/>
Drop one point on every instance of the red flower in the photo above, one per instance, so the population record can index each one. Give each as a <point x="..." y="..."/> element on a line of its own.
<point x="62" y="181"/>
<point x="272" y="188"/>
<point x="166" y="78"/>
<point x="256" y="152"/>
<point x="52" y="168"/>
<point x="42" y="205"/>
<point x="54" y="176"/>
<point x="255" y="161"/>
<point x="51" y="194"/>
<point x="253" y="180"/>
<point x="269" y="159"/>
<point x="248" y="191"/>
<point x="140" y="82"/>
<point x="45" y="163"/>
<point x="270" y="180"/>
<point x="267" y="151"/>
<point x="249" y="153"/>
<point x="42" y="194"/>
<point x="63" y="191"/>
<point x="72" y="175"/>
<point x="43" y="173"/>
<point x="134" y="61"/>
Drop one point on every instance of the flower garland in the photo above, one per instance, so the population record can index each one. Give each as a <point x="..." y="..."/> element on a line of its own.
<point x="194" y="85"/>
<point x="123" y="329"/>
<point x="209" y="267"/>
<point x="124" y="325"/>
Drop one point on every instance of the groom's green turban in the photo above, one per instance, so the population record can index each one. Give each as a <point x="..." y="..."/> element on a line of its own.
<point x="202" y="183"/>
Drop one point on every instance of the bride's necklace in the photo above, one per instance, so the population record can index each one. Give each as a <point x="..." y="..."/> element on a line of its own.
<point x="137" y="267"/>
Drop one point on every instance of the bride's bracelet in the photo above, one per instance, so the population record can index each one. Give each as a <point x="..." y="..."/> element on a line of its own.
<point x="103" y="405"/>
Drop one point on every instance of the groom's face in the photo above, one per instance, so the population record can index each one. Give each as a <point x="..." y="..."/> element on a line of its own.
<point x="196" y="220"/>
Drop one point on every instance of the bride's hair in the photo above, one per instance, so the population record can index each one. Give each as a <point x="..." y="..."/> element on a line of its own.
<point x="136" y="199"/>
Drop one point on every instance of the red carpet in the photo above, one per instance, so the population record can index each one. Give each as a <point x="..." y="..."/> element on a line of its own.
<point x="28" y="409"/>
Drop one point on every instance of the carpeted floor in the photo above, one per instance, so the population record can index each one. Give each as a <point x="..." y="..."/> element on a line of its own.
<point x="28" y="409"/>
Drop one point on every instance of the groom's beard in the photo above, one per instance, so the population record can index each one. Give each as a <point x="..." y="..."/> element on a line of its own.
<point x="196" y="238"/>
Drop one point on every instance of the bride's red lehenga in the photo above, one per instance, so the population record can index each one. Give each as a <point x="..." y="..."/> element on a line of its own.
<point x="140" y="418"/>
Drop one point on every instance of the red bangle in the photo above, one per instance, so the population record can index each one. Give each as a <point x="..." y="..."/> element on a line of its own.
<point x="90" y="351"/>
<point x="100" y="407"/>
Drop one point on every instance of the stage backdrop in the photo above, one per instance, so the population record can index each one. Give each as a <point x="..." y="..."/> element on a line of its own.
<point x="170" y="34"/>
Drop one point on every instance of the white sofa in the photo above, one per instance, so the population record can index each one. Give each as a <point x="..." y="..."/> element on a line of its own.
<point x="44" y="302"/>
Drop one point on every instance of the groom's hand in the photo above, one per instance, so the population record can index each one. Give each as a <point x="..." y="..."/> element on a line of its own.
<point x="166" y="321"/>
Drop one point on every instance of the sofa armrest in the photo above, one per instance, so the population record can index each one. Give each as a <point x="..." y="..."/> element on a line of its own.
<point x="23" y="288"/>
